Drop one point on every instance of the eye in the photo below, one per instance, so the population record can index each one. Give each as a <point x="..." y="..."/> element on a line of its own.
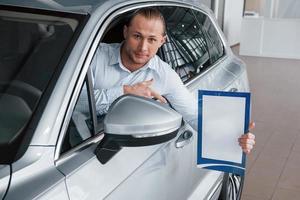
<point x="152" y="40"/>
<point x="136" y="36"/>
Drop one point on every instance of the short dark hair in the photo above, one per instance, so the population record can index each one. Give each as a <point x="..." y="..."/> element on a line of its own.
<point x="148" y="13"/>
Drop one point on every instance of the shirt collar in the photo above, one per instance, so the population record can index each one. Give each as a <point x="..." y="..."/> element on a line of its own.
<point x="115" y="58"/>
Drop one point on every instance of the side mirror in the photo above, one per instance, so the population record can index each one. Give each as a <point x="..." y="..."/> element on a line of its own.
<point x="136" y="121"/>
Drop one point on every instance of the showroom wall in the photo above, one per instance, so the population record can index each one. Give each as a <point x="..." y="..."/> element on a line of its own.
<point x="233" y="15"/>
<point x="229" y="15"/>
<point x="256" y="6"/>
<point x="275" y="34"/>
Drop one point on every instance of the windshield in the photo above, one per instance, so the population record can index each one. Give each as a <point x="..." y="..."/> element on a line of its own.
<point x="32" y="44"/>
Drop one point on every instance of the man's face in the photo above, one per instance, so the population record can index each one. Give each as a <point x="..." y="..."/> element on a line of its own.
<point x="143" y="37"/>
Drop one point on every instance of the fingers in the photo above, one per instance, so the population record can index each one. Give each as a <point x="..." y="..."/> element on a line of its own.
<point x="154" y="94"/>
<point x="247" y="142"/>
<point x="158" y="96"/>
<point x="251" y="125"/>
<point x="246" y="151"/>
<point x="246" y="148"/>
<point x="148" y="82"/>
<point x="248" y="135"/>
<point x="144" y="89"/>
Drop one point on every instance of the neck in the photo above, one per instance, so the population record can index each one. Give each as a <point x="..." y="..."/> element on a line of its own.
<point x="131" y="66"/>
<point x="127" y="62"/>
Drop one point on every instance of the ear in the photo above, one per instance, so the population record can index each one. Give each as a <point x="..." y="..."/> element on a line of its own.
<point x="125" y="31"/>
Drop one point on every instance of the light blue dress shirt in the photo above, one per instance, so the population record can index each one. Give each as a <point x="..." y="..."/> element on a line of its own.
<point x="109" y="75"/>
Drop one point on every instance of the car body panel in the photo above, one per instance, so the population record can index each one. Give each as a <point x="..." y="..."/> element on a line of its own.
<point x="132" y="168"/>
<point x="58" y="191"/>
<point x="4" y="179"/>
<point x="79" y="6"/>
<point x="35" y="174"/>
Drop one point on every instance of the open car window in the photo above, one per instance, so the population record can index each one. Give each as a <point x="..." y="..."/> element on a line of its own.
<point x="192" y="46"/>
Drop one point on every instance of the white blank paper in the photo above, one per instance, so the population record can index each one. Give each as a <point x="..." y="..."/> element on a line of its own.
<point x="223" y="120"/>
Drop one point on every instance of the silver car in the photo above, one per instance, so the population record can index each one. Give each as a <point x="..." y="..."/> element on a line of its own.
<point x="141" y="149"/>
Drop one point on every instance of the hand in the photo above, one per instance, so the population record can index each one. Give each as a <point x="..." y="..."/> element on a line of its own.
<point x="247" y="141"/>
<point x="143" y="89"/>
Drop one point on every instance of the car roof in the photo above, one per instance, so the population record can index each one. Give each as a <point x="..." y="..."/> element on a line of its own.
<point x="78" y="6"/>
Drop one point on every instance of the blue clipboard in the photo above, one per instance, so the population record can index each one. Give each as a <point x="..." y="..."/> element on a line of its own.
<point x="222" y="117"/>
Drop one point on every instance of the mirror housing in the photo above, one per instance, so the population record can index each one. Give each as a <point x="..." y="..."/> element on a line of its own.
<point x="136" y="121"/>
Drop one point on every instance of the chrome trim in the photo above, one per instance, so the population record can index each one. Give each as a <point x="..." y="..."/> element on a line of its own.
<point x="75" y="150"/>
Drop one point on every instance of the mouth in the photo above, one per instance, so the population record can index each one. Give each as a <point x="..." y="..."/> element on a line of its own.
<point x="140" y="55"/>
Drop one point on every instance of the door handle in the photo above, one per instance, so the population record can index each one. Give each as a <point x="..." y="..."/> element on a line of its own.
<point x="233" y="90"/>
<point x="184" y="139"/>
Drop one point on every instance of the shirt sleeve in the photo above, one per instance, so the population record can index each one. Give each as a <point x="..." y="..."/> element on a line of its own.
<point x="182" y="99"/>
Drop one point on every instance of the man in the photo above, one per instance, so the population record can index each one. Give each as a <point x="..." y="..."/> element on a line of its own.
<point x="132" y="67"/>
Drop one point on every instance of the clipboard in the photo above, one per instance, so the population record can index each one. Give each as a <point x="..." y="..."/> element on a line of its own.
<point x="222" y="118"/>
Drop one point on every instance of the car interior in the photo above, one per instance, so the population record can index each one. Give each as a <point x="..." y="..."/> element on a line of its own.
<point x="28" y="61"/>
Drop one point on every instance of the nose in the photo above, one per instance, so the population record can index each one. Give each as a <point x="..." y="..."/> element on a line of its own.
<point x="143" y="45"/>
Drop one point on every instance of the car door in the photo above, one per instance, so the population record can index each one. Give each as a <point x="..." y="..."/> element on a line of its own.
<point x="148" y="172"/>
